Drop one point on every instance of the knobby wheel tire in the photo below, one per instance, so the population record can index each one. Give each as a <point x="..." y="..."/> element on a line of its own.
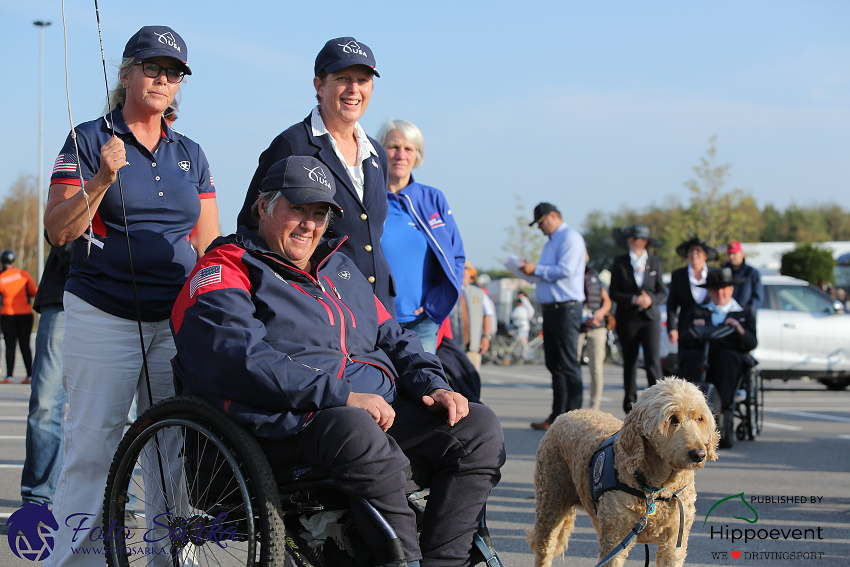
<point x="220" y="506"/>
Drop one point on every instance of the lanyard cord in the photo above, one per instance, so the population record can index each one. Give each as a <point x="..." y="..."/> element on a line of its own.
<point x="123" y="210"/>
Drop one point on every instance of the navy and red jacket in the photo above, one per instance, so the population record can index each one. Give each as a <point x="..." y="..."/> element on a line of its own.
<point x="272" y="345"/>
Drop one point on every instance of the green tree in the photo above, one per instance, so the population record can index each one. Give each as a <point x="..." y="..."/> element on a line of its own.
<point x="599" y="240"/>
<point x="809" y="262"/>
<point x="19" y="223"/>
<point x="714" y="214"/>
<point x="523" y="240"/>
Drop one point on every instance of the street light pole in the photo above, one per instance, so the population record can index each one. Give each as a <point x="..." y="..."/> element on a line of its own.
<point x="41" y="26"/>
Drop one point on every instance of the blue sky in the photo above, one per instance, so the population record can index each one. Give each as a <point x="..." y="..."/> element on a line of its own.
<point x="589" y="105"/>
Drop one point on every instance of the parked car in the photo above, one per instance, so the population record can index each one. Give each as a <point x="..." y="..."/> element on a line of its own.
<point x="801" y="330"/>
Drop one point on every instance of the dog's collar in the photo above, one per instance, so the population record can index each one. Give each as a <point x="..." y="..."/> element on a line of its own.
<point x="641" y="479"/>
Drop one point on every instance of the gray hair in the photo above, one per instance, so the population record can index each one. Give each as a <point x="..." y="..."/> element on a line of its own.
<point x="409" y="131"/>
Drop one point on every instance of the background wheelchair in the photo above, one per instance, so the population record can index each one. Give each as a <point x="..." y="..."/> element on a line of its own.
<point x="748" y="402"/>
<point x="210" y="498"/>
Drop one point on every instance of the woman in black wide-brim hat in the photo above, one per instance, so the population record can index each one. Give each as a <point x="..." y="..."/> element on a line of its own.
<point x="685" y="289"/>
<point x="637" y="289"/>
<point x="727" y="356"/>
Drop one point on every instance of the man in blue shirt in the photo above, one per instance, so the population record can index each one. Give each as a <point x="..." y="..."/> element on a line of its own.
<point x="560" y="293"/>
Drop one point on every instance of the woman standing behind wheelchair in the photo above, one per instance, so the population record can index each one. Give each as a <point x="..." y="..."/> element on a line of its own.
<point x="172" y="217"/>
<point x="685" y="283"/>
<point x="727" y="357"/>
<point x="421" y="239"/>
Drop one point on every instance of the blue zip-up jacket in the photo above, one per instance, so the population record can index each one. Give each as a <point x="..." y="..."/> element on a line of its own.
<point x="271" y="345"/>
<point x="750" y="291"/>
<point x="430" y="211"/>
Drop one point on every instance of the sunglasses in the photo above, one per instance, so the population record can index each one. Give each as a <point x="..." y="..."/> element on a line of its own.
<point x="153" y="70"/>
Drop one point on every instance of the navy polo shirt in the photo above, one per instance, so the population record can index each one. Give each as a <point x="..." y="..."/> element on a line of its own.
<point x="162" y="197"/>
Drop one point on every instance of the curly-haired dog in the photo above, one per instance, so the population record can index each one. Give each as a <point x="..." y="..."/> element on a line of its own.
<point x="668" y="435"/>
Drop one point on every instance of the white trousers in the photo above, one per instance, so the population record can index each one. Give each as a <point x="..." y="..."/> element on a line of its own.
<point x="102" y="363"/>
<point x="596" y="341"/>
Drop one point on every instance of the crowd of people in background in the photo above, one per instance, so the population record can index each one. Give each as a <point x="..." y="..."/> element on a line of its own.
<point x="398" y="233"/>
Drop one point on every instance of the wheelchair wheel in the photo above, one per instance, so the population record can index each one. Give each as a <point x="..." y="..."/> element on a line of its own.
<point x="205" y="492"/>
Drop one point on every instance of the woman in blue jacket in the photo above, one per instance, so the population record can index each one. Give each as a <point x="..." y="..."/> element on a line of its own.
<point x="421" y="240"/>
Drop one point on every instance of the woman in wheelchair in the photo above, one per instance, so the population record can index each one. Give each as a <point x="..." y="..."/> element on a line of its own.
<point x="285" y="335"/>
<point x="727" y="357"/>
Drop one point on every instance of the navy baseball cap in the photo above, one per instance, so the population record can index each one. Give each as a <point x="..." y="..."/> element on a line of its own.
<point x="158" y="41"/>
<point x="541" y="210"/>
<point x="344" y="52"/>
<point x="302" y="180"/>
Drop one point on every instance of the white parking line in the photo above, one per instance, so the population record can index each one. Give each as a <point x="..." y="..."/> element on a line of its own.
<point x="12" y="437"/>
<point x="781" y="426"/>
<point x="12" y="466"/>
<point x="810" y="415"/>
<point x="844" y="436"/>
<point x="13" y="418"/>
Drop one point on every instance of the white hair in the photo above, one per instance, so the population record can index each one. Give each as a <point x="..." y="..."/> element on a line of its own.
<point x="410" y="132"/>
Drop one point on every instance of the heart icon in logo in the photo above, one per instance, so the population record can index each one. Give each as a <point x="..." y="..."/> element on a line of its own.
<point x="735" y="554"/>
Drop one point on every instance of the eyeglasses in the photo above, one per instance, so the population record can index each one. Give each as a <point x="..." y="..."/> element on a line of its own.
<point x="153" y="70"/>
<point x="170" y="113"/>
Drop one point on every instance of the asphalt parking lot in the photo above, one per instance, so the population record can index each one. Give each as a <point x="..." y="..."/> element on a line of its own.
<point x="804" y="451"/>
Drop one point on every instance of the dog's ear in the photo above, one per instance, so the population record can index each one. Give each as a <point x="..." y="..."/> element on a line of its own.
<point x="713" y="440"/>
<point x="631" y="439"/>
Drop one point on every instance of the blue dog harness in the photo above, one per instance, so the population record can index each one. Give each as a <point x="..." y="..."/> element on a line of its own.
<point x="603" y="473"/>
<point x="604" y="477"/>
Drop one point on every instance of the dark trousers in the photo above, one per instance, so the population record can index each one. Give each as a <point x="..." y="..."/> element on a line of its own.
<point x="724" y="368"/>
<point x="561" y="327"/>
<point x="463" y="377"/>
<point x="16" y="330"/>
<point x="634" y="334"/>
<point x="460" y="464"/>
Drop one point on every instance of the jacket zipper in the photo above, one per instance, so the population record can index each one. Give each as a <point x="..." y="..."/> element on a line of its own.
<point x="346" y="355"/>
<point x="331" y="319"/>
<point x="339" y="297"/>
<point x="431" y="236"/>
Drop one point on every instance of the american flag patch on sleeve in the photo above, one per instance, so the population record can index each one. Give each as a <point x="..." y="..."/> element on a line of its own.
<point x="65" y="163"/>
<point x="207" y="276"/>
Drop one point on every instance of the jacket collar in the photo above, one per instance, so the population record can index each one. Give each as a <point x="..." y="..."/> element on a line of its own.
<point x="252" y="242"/>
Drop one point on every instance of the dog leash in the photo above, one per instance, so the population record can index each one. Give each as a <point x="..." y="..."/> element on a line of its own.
<point x="641" y="524"/>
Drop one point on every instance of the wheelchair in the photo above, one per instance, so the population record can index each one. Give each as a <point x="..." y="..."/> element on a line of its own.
<point x="211" y="498"/>
<point x="748" y="401"/>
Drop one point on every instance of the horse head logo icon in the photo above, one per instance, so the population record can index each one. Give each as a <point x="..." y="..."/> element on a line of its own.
<point x="30" y="535"/>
